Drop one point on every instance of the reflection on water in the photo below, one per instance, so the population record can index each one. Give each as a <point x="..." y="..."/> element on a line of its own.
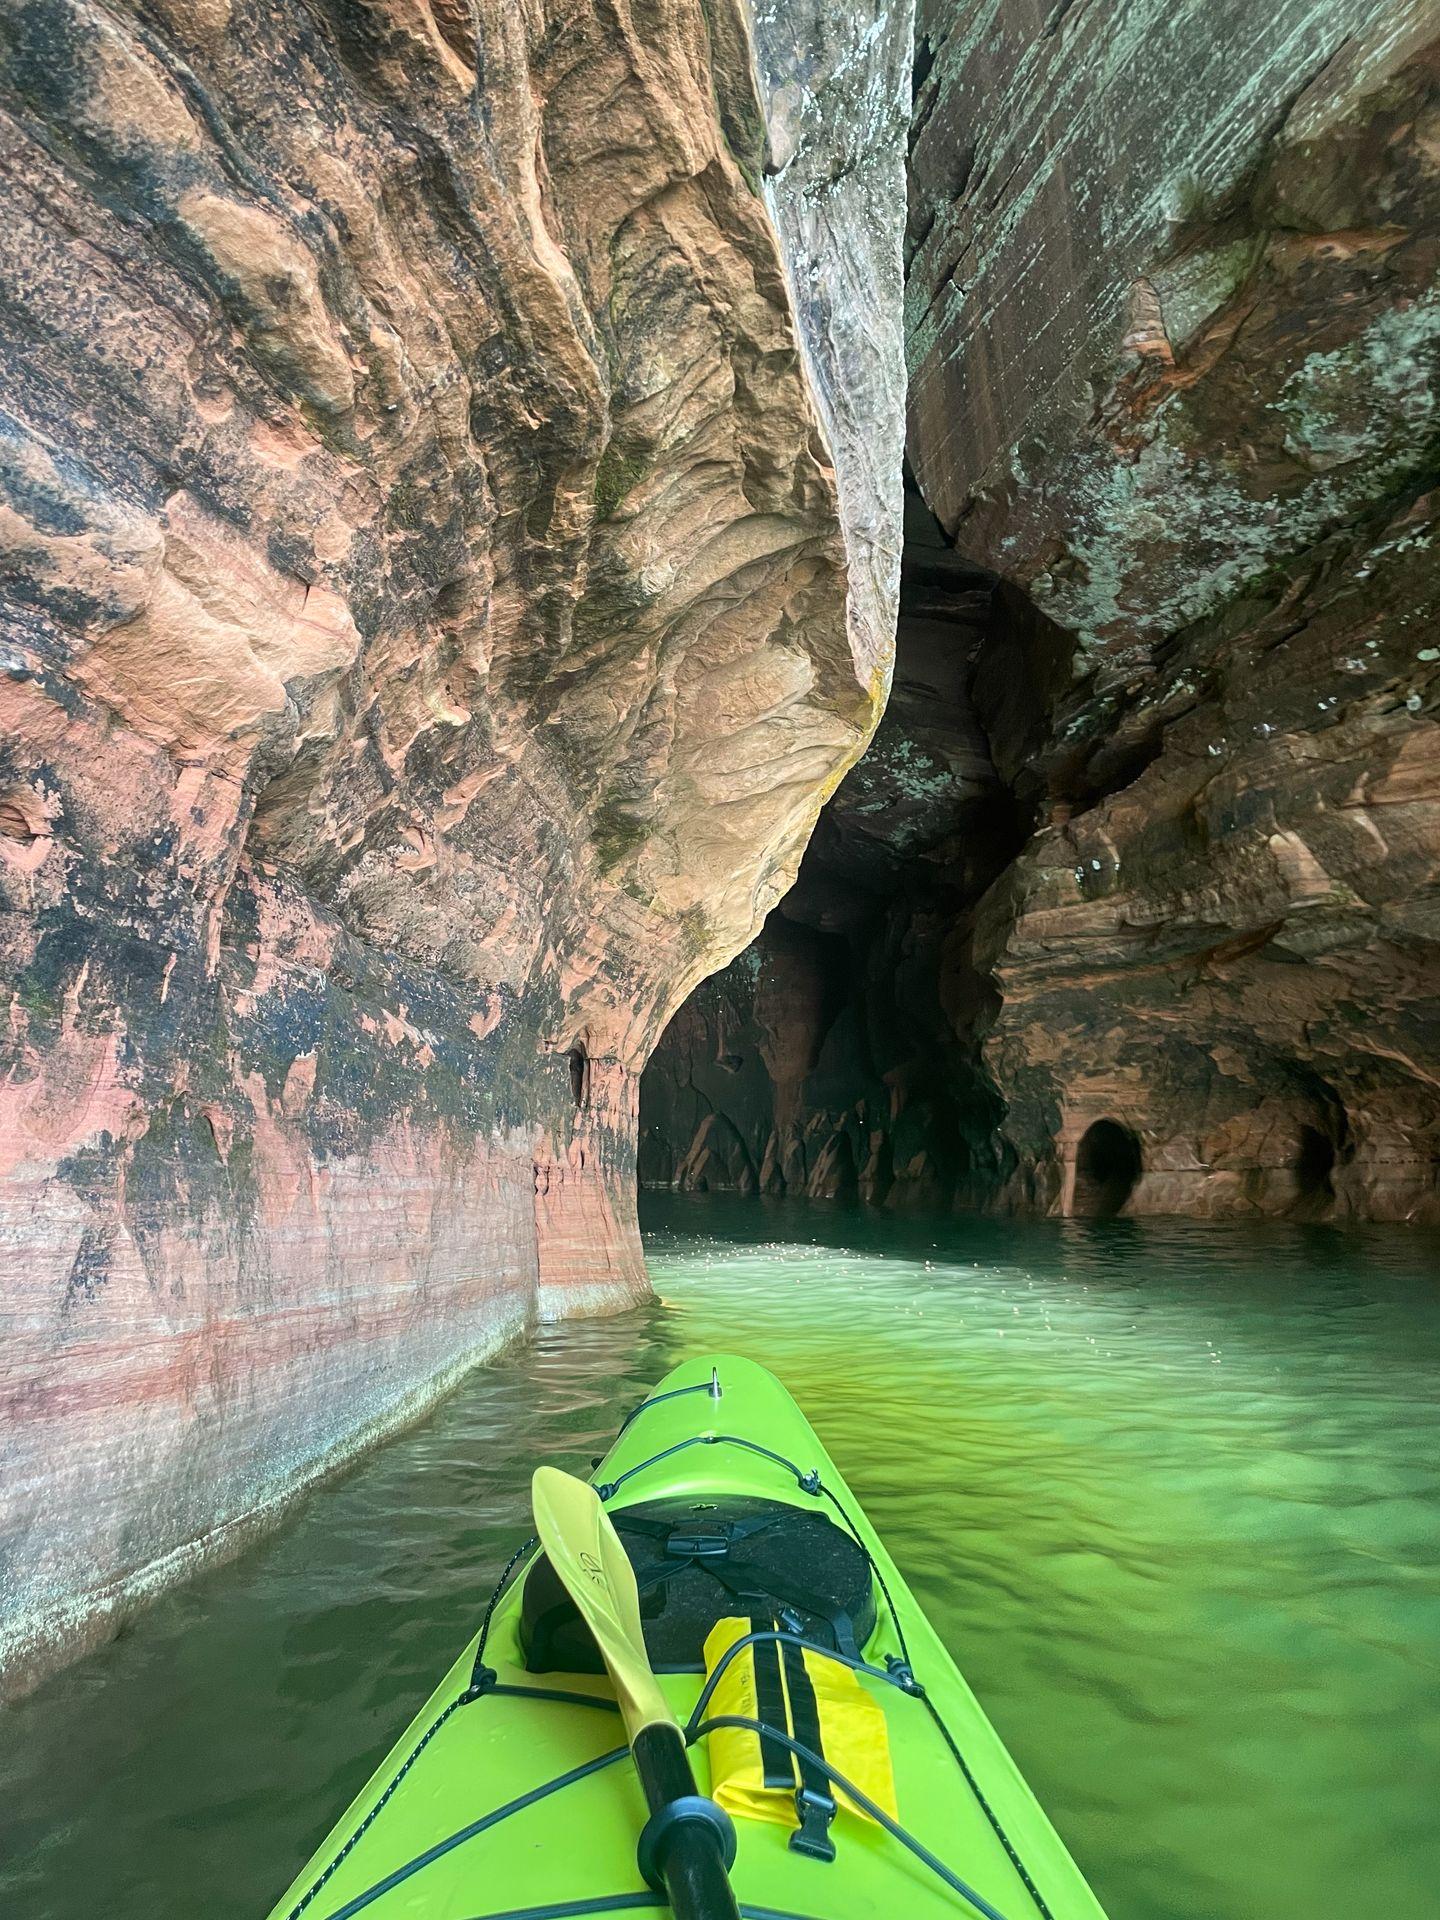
<point x="1171" y="1493"/>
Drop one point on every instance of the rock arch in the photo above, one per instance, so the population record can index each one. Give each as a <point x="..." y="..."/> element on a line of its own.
<point x="1108" y="1163"/>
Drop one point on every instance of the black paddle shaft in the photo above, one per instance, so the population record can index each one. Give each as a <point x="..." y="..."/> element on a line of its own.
<point x="688" y="1843"/>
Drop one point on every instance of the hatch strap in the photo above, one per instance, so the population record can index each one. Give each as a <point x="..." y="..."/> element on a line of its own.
<point x="814" y="1802"/>
<point x="751" y="1583"/>
<point x="698" y="1730"/>
<point x="778" y="1767"/>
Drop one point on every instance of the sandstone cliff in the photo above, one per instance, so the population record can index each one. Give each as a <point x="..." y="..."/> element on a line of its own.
<point x="449" y="542"/>
<point x="823" y="1062"/>
<point x="1173" y="316"/>
<point x="1174" y="350"/>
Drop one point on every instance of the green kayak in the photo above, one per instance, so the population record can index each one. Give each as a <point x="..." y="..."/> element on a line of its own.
<point x="861" y="1776"/>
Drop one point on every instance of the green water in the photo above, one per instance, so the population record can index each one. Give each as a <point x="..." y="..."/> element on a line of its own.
<point x="1171" y="1493"/>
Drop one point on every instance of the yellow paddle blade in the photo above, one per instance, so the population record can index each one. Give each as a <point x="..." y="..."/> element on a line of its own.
<point x="585" y="1551"/>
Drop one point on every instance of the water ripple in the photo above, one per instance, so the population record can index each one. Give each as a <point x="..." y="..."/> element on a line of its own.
<point x="1171" y="1493"/>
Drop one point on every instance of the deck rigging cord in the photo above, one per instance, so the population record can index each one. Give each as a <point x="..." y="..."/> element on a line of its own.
<point x="898" y="1673"/>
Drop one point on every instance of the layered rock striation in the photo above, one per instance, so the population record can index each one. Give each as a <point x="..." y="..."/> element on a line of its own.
<point x="441" y="581"/>
<point x="1173" y="316"/>
<point x="1174" y="351"/>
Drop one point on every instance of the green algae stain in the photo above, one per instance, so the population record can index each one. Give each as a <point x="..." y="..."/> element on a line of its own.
<point x="615" y="835"/>
<point x="616" y="477"/>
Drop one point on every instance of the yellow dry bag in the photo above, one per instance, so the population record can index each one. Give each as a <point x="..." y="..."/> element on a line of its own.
<point x="815" y="1701"/>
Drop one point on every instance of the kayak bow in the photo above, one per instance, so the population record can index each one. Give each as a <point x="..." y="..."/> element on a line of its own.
<point x="820" y="1709"/>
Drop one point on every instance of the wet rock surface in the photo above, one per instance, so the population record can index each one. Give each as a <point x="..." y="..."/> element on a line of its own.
<point x="1172" y="312"/>
<point x="439" y="589"/>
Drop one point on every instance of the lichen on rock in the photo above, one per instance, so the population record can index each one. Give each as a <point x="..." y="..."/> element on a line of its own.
<point x="1147" y="851"/>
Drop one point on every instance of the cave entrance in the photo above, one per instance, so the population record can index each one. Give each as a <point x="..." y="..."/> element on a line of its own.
<point x="1313" y="1165"/>
<point x="1107" y="1165"/>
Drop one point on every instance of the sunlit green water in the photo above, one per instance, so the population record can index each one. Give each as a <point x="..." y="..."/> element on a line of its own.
<point x="1171" y="1493"/>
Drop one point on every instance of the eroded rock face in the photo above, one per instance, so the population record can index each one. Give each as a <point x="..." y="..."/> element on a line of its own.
<point x="827" y="1061"/>
<point x="425" y="544"/>
<point x="1173" y="344"/>
<point x="1170" y="942"/>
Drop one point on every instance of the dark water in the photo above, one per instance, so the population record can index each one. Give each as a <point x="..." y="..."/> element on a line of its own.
<point x="1172" y="1494"/>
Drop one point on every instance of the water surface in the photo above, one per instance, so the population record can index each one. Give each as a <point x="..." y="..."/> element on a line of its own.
<point x="1171" y="1493"/>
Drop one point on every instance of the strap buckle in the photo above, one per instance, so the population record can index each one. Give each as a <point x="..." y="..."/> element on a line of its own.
<point x="812" y="1838"/>
<point x="697" y="1546"/>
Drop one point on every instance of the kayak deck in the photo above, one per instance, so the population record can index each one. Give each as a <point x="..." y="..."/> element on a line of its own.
<point x="520" y="1799"/>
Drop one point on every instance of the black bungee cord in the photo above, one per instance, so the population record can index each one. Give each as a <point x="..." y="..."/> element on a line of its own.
<point x="897" y="1673"/>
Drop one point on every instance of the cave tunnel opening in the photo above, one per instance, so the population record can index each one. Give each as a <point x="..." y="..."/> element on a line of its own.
<point x="1314" y="1164"/>
<point x="1107" y="1165"/>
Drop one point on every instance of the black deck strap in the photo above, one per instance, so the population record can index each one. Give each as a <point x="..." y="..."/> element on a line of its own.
<point x="732" y="1574"/>
<point x="777" y="1763"/>
<point x="862" y="1800"/>
<point x="814" y="1802"/>
<point x="555" y="1693"/>
<point x="576" y="1909"/>
<point x="807" y="1482"/>
<point x="627" y="1520"/>
<point x="781" y="1636"/>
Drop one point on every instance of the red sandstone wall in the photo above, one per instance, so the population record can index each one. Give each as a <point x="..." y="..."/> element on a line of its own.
<point x="427" y="637"/>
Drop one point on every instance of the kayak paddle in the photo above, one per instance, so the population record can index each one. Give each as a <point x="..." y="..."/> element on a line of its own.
<point x="688" y="1843"/>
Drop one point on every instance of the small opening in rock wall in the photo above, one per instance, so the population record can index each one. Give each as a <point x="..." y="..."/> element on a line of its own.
<point x="1314" y="1164"/>
<point x="579" y="1074"/>
<point x="26" y="835"/>
<point x="1107" y="1166"/>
